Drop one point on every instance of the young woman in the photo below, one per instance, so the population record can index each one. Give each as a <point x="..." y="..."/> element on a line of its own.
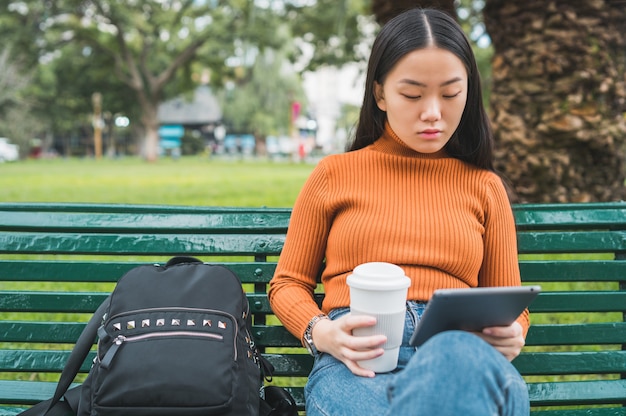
<point x="417" y="189"/>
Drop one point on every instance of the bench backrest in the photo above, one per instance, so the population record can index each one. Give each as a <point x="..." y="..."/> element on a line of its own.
<point x="59" y="261"/>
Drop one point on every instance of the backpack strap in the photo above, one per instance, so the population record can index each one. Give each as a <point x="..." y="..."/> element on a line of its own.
<point x="54" y="406"/>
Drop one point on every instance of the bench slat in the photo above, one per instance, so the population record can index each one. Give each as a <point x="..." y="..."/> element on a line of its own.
<point x="581" y="301"/>
<point x="85" y="302"/>
<point x="556" y="363"/>
<point x="541" y="394"/>
<point x="26" y="392"/>
<point x="573" y="271"/>
<point x="18" y="301"/>
<point x="35" y="361"/>
<point x="577" y="392"/>
<point x="139" y="244"/>
<point x="536" y="216"/>
<point x="68" y="333"/>
<point x="278" y="336"/>
<point x="108" y="271"/>
<point x="53" y="361"/>
<point x="299" y="364"/>
<point x="227" y="221"/>
<point x="587" y="215"/>
<point x="577" y="334"/>
<point x="604" y="411"/>
<point x="571" y="242"/>
<point x="234" y="244"/>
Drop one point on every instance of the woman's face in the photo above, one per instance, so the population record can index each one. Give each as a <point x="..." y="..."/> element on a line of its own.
<point x="424" y="96"/>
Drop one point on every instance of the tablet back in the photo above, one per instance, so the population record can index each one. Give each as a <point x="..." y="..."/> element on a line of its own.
<point x="472" y="309"/>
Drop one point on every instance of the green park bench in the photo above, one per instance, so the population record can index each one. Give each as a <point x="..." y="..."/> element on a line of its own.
<point x="59" y="261"/>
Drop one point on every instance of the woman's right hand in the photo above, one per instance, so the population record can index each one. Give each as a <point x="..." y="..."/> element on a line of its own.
<point x="335" y="338"/>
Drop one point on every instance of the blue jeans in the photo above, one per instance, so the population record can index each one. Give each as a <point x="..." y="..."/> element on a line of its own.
<point x="454" y="373"/>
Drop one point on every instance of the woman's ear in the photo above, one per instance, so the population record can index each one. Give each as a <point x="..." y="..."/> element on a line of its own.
<point x="379" y="96"/>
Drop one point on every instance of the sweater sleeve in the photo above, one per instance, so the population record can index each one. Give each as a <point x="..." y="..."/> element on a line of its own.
<point x="292" y="287"/>
<point x="500" y="260"/>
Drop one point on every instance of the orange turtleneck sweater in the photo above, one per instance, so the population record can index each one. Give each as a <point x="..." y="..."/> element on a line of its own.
<point x="446" y="223"/>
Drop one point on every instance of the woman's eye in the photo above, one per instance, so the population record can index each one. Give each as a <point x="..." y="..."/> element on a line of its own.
<point x="412" y="97"/>
<point x="451" y="95"/>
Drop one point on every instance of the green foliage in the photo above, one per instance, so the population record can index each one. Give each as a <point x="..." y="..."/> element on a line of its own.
<point x="192" y="144"/>
<point x="259" y="102"/>
<point x="332" y="27"/>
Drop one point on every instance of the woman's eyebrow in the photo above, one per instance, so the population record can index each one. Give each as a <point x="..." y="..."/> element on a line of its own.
<point x="421" y="84"/>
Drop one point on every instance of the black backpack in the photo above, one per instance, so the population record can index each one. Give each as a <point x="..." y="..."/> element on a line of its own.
<point x="172" y="340"/>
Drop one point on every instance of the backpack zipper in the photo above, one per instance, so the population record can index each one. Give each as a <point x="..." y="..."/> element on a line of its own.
<point x="121" y="339"/>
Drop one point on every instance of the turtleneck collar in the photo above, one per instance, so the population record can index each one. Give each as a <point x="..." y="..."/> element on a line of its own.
<point x="390" y="143"/>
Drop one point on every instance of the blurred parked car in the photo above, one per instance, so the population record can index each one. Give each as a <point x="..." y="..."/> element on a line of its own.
<point x="8" y="152"/>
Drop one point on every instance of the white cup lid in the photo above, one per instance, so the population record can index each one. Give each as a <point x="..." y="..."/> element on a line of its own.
<point x="378" y="276"/>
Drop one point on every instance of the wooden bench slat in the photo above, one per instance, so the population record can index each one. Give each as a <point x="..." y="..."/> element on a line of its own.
<point x="588" y="215"/>
<point x="109" y="271"/>
<point x="17" y="301"/>
<point x="541" y="394"/>
<point x="113" y="208"/>
<point x="140" y="244"/>
<point x="53" y="361"/>
<point x="85" y="302"/>
<point x="571" y="242"/>
<point x="581" y="301"/>
<point x="68" y="332"/>
<point x="26" y="392"/>
<point x="290" y="364"/>
<point x="573" y="270"/>
<point x="584" y="362"/>
<point x="604" y="411"/>
<point x="577" y="334"/>
<point x="274" y="221"/>
<point x="35" y="361"/>
<point x="63" y="271"/>
<point x="278" y="336"/>
<point x="577" y="392"/>
<point x="233" y="244"/>
<point x="10" y="411"/>
<point x="40" y="332"/>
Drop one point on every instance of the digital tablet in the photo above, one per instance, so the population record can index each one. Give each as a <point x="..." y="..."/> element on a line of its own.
<point x="472" y="309"/>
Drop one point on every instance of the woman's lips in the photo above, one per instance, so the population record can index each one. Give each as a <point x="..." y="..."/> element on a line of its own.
<point x="430" y="133"/>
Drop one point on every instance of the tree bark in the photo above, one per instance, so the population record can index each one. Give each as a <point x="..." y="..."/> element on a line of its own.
<point x="558" y="100"/>
<point x="384" y="10"/>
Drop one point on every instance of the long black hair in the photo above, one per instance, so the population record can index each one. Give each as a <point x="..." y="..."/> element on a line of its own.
<point x="415" y="29"/>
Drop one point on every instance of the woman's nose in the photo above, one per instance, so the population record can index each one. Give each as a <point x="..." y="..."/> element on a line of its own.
<point x="431" y="111"/>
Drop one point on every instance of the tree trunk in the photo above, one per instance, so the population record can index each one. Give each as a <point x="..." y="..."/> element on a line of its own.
<point x="384" y="10"/>
<point x="559" y="97"/>
<point x="150" y="121"/>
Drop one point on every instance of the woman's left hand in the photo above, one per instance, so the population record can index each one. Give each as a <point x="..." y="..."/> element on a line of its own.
<point x="509" y="340"/>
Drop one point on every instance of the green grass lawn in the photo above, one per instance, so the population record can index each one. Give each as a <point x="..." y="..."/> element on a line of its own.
<point x="185" y="181"/>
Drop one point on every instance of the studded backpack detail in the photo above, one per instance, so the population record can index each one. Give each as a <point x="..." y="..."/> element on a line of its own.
<point x="171" y="340"/>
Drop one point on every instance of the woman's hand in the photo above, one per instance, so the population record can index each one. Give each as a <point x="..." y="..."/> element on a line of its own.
<point x="335" y="338"/>
<point x="509" y="340"/>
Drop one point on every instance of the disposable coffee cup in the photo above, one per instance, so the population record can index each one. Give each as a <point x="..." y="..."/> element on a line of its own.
<point x="380" y="289"/>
